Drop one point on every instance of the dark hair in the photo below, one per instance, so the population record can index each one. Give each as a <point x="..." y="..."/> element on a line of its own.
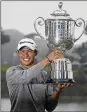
<point x="22" y="47"/>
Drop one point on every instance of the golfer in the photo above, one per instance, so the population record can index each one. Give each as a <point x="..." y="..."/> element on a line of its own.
<point x="27" y="83"/>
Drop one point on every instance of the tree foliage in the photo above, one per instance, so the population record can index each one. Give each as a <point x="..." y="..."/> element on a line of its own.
<point x="4" y="38"/>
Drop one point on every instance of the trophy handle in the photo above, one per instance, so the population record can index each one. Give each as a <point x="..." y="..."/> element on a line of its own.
<point x="39" y="21"/>
<point x="79" y="24"/>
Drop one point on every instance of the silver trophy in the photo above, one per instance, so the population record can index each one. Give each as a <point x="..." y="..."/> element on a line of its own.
<point x="59" y="33"/>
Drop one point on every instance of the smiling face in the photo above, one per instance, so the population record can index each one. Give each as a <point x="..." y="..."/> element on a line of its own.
<point x="27" y="56"/>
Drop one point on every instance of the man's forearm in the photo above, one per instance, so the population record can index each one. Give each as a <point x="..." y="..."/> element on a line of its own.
<point x="55" y="95"/>
<point x="45" y="61"/>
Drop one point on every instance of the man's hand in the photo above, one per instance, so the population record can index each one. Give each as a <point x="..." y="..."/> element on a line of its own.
<point x="59" y="87"/>
<point x="56" y="53"/>
<point x="58" y="90"/>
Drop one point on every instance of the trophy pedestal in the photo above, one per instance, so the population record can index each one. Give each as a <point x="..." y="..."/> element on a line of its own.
<point x="61" y="71"/>
<point x="63" y="81"/>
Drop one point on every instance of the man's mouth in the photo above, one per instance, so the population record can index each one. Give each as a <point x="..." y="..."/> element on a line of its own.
<point x="26" y="60"/>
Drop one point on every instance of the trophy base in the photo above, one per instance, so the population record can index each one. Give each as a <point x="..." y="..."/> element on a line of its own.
<point x="63" y="81"/>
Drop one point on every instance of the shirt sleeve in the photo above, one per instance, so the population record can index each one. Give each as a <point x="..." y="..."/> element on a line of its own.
<point x="50" y="103"/>
<point x="16" y="75"/>
<point x="43" y="77"/>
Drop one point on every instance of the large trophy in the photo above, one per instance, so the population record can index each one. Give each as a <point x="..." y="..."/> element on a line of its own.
<point x="59" y="33"/>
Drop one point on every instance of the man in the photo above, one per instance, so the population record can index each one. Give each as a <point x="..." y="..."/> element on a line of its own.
<point x="27" y="82"/>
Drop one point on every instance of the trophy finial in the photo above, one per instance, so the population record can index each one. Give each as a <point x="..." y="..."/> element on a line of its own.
<point x="60" y="5"/>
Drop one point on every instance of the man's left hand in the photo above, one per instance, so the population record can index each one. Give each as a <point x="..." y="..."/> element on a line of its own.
<point x="62" y="86"/>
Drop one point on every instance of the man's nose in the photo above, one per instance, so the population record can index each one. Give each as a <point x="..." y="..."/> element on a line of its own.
<point x="26" y="53"/>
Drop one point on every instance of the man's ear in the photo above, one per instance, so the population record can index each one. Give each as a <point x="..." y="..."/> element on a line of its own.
<point x="36" y="52"/>
<point x="17" y="52"/>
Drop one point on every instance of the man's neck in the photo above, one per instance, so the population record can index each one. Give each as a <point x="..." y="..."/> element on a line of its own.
<point x="28" y="66"/>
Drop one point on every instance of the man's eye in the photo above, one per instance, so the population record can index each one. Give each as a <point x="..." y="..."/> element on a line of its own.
<point x="22" y="51"/>
<point x="29" y="50"/>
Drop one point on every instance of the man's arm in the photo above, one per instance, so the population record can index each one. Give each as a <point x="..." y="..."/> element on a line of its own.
<point x="16" y="74"/>
<point x="52" y="98"/>
<point x="53" y="93"/>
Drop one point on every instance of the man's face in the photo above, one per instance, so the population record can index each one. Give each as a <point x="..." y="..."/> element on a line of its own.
<point x="27" y="56"/>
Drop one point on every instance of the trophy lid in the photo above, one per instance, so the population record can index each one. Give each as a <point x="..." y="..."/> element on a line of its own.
<point x="60" y="14"/>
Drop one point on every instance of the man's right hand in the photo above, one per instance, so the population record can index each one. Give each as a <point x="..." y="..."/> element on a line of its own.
<point x="55" y="54"/>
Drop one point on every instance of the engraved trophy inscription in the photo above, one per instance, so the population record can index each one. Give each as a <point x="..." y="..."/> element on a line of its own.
<point x="60" y="33"/>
